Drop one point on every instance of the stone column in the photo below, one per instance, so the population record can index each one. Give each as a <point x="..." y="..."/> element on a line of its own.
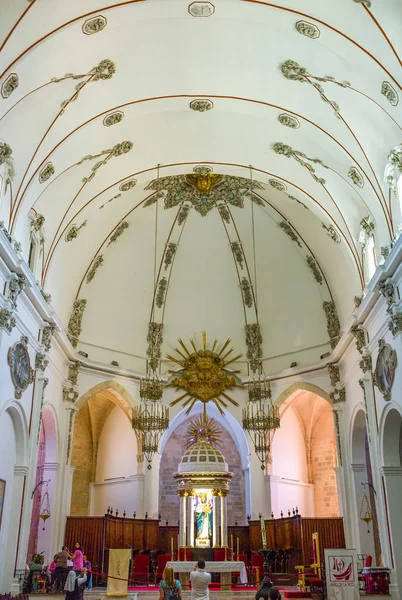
<point x="215" y="536"/>
<point x="190" y="535"/>
<point x="19" y="490"/>
<point x="224" y="524"/>
<point x="344" y="492"/>
<point x="183" y="517"/>
<point x="392" y="480"/>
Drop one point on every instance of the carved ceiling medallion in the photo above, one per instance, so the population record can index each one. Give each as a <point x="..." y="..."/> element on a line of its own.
<point x="201" y="9"/>
<point x="278" y="185"/>
<point x="113" y="118"/>
<point x="308" y="29"/>
<point x="94" y="25"/>
<point x="385" y="369"/>
<point x="20" y="366"/>
<point x="201" y="105"/>
<point x="9" y="85"/>
<point x="204" y="374"/>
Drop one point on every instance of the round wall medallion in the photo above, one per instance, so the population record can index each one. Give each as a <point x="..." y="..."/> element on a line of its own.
<point x="278" y="185"/>
<point x="20" y="366"/>
<point x="385" y="369"/>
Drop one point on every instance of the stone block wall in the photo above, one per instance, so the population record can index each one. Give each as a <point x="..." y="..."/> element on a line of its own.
<point x="322" y="458"/>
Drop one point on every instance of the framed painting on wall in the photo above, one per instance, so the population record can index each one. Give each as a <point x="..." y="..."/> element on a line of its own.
<point x="2" y="496"/>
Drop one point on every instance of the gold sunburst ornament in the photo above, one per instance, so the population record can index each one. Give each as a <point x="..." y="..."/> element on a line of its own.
<point x="204" y="374"/>
<point x="203" y="428"/>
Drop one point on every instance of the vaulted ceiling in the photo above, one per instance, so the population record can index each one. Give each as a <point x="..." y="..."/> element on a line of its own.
<point x="205" y="90"/>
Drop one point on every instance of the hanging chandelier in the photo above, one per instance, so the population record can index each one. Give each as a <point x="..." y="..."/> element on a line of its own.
<point x="45" y="507"/>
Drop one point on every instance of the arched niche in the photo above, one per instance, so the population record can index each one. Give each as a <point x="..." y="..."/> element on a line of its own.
<point x="391" y="436"/>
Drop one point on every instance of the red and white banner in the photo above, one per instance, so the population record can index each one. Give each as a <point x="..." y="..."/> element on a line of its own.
<point x="341" y="574"/>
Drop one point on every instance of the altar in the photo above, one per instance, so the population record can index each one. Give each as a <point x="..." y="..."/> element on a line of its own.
<point x="225" y="568"/>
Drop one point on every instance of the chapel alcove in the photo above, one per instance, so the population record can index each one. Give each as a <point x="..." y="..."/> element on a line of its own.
<point x="304" y="457"/>
<point x="172" y="454"/>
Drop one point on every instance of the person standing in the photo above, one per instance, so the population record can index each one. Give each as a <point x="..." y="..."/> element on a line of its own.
<point x="77" y="558"/>
<point x="88" y="567"/>
<point x="200" y="581"/>
<point x="169" y="587"/>
<point x="74" y="587"/>
<point x="60" y="572"/>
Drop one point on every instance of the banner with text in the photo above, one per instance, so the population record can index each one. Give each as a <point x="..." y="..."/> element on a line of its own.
<point x="341" y="574"/>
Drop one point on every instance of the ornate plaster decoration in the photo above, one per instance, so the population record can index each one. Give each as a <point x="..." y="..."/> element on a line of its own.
<point x="15" y="286"/>
<point x="308" y="29"/>
<point x="128" y="185"/>
<point x="20" y="366"/>
<point x="298" y="201"/>
<point x="385" y="250"/>
<point x="113" y="118"/>
<point x="120" y="229"/>
<point x="333" y="324"/>
<point x="6" y="158"/>
<point x="289" y="121"/>
<point x="47" y="297"/>
<point x="154" y="339"/>
<point x="278" y="185"/>
<point x="301" y="158"/>
<point x="253" y="345"/>
<point x="201" y="105"/>
<point x="70" y="435"/>
<point x="36" y="221"/>
<point x="7" y="320"/>
<point x="395" y="324"/>
<point x="183" y="214"/>
<point x="117" y="150"/>
<point x="160" y="295"/>
<point x="169" y="254"/>
<point x="44" y="386"/>
<point x="237" y="253"/>
<point x="358" y="333"/>
<point x="367" y="228"/>
<point x="201" y="9"/>
<point x="357" y="300"/>
<point x="75" y="323"/>
<point x="246" y="291"/>
<point x="104" y="70"/>
<point x="73" y="369"/>
<point x="287" y="228"/>
<point x="94" y="25"/>
<point x="338" y="396"/>
<point x="69" y="395"/>
<point x="41" y="362"/>
<point x="366" y="2"/>
<point x="338" y="436"/>
<point x="385" y="368"/>
<point x="334" y="374"/>
<point x="387" y="290"/>
<point x="366" y="363"/>
<point x="314" y="268"/>
<point x="388" y="91"/>
<point x="393" y="169"/>
<point x="47" y="333"/>
<point x="332" y="233"/>
<point x="356" y="177"/>
<point x="9" y="85"/>
<point x="98" y="262"/>
<point x="46" y="172"/>
<point x="202" y="190"/>
<point x="108" y="201"/>
<point x="73" y="232"/>
<point x="224" y="212"/>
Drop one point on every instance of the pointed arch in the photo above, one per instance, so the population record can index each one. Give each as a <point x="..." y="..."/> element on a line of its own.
<point x="116" y="393"/>
<point x="302" y="385"/>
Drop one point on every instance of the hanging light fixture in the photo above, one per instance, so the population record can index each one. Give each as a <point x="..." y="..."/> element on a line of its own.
<point x="45" y="507"/>
<point x="260" y="415"/>
<point x="151" y="418"/>
<point x="366" y="514"/>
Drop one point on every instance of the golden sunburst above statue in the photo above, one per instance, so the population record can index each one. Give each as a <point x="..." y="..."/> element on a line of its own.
<point x="204" y="374"/>
<point x="203" y="429"/>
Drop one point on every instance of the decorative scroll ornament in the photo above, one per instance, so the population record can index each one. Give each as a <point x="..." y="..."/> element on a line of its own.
<point x="388" y="91"/>
<point x="203" y="190"/>
<point x="73" y="370"/>
<point x="75" y="322"/>
<point x="154" y="339"/>
<point x="69" y="395"/>
<point x="332" y="233"/>
<point x="237" y="253"/>
<point x="358" y="333"/>
<point x="7" y="159"/>
<point x="386" y="364"/>
<point x="395" y="324"/>
<point x="338" y="436"/>
<point x="94" y="25"/>
<point x="46" y="172"/>
<point x="393" y="169"/>
<point x="20" y="366"/>
<point x="47" y="297"/>
<point x="169" y="254"/>
<point x="41" y="362"/>
<point x="183" y="214"/>
<point x="204" y="375"/>
<point x="356" y="177"/>
<point x="44" y="386"/>
<point x="113" y="118"/>
<point x="308" y="29"/>
<point x="315" y="269"/>
<point x="120" y="229"/>
<point x="201" y="9"/>
<point x="298" y="201"/>
<point x="333" y="324"/>
<point x="128" y="185"/>
<point x="36" y="221"/>
<point x="70" y="435"/>
<point x="367" y="228"/>
<point x="161" y="293"/>
<point x="289" y="121"/>
<point x="387" y="290"/>
<point x="278" y="185"/>
<point x="288" y="229"/>
<point x="357" y="301"/>
<point x="73" y="232"/>
<point x="246" y="291"/>
<point x="253" y="345"/>
<point x="7" y="321"/>
<point x="15" y="287"/>
<point x="117" y="150"/>
<point x="201" y="105"/>
<point x="385" y="250"/>
<point x="334" y="374"/>
<point x="366" y="363"/>
<point x="9" y="85"/>
<point x="47" y="334"/>
<point x="225" y="214"/>
<point x="338" y="396"/>
<point x="98" y="262"/>
<point x="301" y="158"/>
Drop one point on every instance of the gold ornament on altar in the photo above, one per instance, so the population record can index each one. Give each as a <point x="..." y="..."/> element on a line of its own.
<point x="204" y="375"/>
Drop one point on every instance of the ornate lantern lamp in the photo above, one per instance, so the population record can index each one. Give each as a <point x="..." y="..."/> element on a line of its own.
<point x="45" y="507"/>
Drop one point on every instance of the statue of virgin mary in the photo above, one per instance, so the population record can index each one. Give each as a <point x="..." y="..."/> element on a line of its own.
<point x="204" y="518"/>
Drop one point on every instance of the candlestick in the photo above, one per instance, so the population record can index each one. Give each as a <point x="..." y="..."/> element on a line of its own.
<point x="231" y="543"/>
<point x="237" y="547"/>
<point x="263" y="534"/>
<point x="178" y="547"/>
<point x="171" y="547"/>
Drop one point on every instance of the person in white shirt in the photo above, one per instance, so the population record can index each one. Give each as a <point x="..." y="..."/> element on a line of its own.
<point x="200" y="581"/>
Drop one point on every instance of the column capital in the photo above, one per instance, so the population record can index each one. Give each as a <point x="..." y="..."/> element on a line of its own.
<point x="51" y="466"/>
<point x="391" y="471"/>
<point x="357" y="468"/>
<point x="21" y="470"/>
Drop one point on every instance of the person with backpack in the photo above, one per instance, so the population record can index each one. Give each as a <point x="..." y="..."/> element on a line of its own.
<point x="169" y="587"/>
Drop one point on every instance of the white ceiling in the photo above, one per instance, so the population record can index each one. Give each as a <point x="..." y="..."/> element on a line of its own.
<point x="164" y="59"/>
